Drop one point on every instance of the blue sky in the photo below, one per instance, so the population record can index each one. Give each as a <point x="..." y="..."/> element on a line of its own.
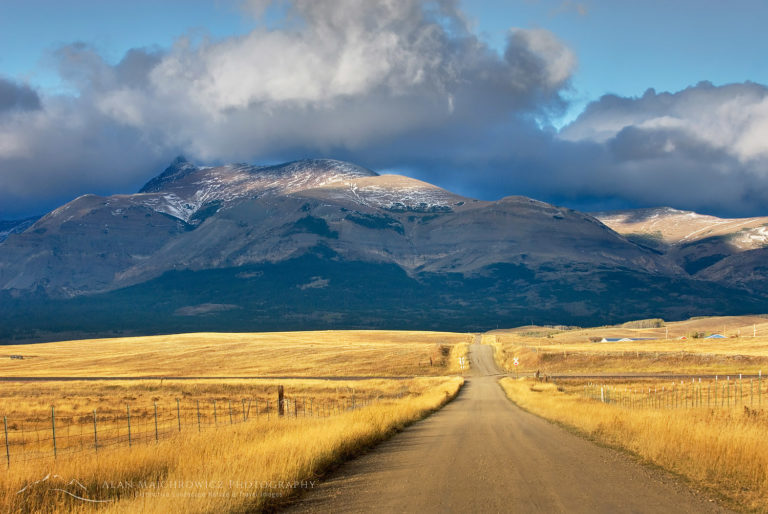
<point x="564" y="56"/>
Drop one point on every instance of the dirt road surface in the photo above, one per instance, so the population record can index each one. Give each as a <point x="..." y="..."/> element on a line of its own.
<point x="481" y="453"/>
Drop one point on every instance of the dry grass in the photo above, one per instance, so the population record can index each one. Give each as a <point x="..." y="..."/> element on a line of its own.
<point x="245" y="467"/>
<point x="577" y="355"/>
<point x="723" y="449"/>
<point x="729" y="326"/>
<point x="323" y="354"/>
<point x="30" y="402"/>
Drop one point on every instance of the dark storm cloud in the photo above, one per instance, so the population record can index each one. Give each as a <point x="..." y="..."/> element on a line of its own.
<point x="347" y="77"/>
<point x="405" y="86"/>
<point x="17" y="97"/>
<point x="700" y="149"/>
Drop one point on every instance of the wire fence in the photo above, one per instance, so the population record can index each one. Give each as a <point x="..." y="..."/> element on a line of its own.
<point x="94" y="432"/>
<point x="712" y="393"/>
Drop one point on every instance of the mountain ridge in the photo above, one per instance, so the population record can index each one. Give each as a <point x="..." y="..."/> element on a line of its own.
<point x="475" y="260"/>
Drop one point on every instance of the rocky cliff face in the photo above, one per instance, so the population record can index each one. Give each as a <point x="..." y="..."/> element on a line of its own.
<point x="322" y="243"/>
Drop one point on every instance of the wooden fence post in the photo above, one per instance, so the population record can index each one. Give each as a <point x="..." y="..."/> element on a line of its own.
<point x="53" y="429"/>
<point x="280" y="405"/>
<point x="95" y="435"/>
<point x="243" y="410"/>
<point x="230" y="412"/>
<point x="215" y="419"/>
<point x="178" y="414"/>
<point x="741" y="390"/>
<point x="7" y="451"/>
<point x="128" y="410"/>
<point x="156" y="422"/>
<point x="198" y="415"/>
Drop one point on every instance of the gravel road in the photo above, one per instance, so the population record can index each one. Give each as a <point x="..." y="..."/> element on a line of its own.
<point x="481" y="453"/>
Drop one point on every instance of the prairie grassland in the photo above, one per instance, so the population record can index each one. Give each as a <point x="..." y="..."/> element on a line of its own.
<point x="724" y="449"/>
<point x="31" y="402"/>
<point x="311" y="354"/>
<point x="160" y="408"/>
<point x="728" y="326"/>
<point x="244" y="467"/>
<point x="711" y="356"/>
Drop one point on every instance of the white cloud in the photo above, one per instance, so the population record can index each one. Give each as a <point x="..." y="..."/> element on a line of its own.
<point x="731" y="118"/>
<point x="349" y="77"/>
<point x="397" y="85"/>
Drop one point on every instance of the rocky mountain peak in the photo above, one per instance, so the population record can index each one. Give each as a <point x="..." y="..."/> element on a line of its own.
<point x="179" y="168"/>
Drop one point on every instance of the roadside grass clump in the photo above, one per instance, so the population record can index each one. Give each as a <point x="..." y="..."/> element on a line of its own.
<point x="725" y="450"/>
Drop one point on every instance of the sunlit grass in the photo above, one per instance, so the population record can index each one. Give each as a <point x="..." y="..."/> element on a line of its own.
<point x="325" y="353"/>
<point x="723" y="449"/>
<point x="215" y="470"/>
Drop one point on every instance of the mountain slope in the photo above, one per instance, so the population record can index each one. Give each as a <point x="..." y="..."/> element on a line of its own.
<point x="322" y="243"/>
<point x="694" y="241"/>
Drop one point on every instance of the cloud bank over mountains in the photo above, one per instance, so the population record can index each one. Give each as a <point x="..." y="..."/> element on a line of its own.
<point x="402" y="85"/>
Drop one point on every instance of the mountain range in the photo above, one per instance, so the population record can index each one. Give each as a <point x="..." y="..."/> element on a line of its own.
<point x="316" y="244"/>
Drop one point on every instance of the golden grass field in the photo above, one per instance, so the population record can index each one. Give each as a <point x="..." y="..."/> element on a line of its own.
<point x="321" y="354"/>
<point x="571" y="351"/>
<point x="242" y="467"/>
<point x="244" y="457"/>
<point x="720" y="448"/>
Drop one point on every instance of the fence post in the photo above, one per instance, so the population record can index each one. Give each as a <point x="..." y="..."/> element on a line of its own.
<point x="128" y="410"/>
<point x="198" y="415"/>
<point x="280" y="406"/>
<point x="178" y="414"/>
<point x="155" y="422"/>
<point x="248" y="413"/>
<point x="295" y="408"/>
<point x="230" y="412"/>
<point x="267" y="410"/>
<point x="53" y="429"/>
<point x="215" y="419"/>
<point x="95" y="436"/>
<point x="7" y="451"/>
<point x="243" y="401"/>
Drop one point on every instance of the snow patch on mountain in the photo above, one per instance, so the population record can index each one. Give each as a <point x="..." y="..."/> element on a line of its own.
<point x="182" y="194"/>
<point x="391" y="192"/>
